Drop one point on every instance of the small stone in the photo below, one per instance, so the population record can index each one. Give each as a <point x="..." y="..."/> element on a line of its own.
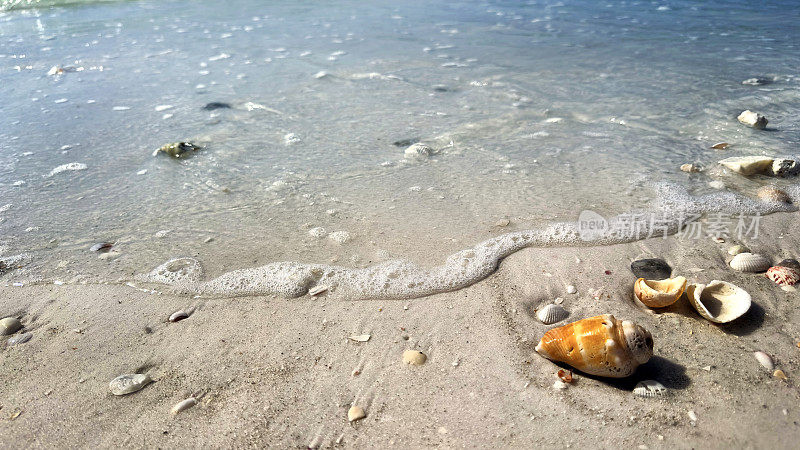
<point x="757" y="81"/>
<point x="720" y="146"/>
<point x="9" y="325"/>
<point x="753" y="119"/>
<point x="418" y="150"/>
<point x="178" y="149"/>
<point x="692" y="416"/>
<point x="784" y="167"/>
<point x="340" y="237"/>
<point x="560" y="385"/>
<point x="216" y="105"/>
<point x="128" y="383"/>
<point x="571" y="289"/>
<point x="651" y="269"/>
<point x="780" y="375"/>
<point x="179" y="315"/>
<point x="20" y="339"/>
<point x="414" y="357"/>
<point x="748" y="165"/>
<point x="360" y="337"/>
<point x="183" y="405"/>
<point x="765" y="360"/>
<point x="355" y="413"/>
<point x="773" y="194"/>
<point x="502" y="223"/>
<point x="690" y="168"/>
<point x="716" y="184"/>
<point x="707" y="368"/>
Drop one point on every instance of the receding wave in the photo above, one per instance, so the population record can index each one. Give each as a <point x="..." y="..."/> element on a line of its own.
<point x="10" y="5"/>
<point x="674" y="209"/>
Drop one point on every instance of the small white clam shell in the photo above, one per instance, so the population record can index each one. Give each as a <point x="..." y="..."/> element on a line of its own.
<point x="750" y="262"/>
<point x="128" y="383"/>
<point x="650" y="388"/>
<point x="551" y="314"/>
<point x="183" y="405"/>
<point x="764" y="360"/>
<point x="719" y="301"/>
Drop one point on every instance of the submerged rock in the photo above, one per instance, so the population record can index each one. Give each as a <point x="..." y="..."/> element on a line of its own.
<point x="753" y="119"/>
<point x="749" y="165"/>
<point x="757" y="81"/>
<point x="178" y="149"/>
<point x="785" y="167"/>
<point x="216" y="105"/>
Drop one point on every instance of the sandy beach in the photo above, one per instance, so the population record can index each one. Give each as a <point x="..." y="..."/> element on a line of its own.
<point x="282" y="372"/>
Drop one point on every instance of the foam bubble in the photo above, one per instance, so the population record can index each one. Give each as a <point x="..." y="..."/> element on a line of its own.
<point x="397" y="279"/>
<point x="67" y="167"/>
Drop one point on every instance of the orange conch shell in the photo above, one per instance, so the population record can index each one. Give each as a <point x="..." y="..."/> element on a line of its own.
<point x="600" y="345"/>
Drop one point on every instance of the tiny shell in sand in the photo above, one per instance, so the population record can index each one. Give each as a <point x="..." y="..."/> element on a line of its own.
<point x="659" y="293"/>
<point x="183" y="405"/>
<point x="316" y="290"/>
<point x="19" y="339"/>
<point x="128" y="383"/>
<point x="550" y="314"/>
<point x="9" y="325"/>
<point x="414" y="357"/>
<point x="765" y="360"/>
<point x="355" y="413"/>
<point x="784" y="276"/>
<point x="719" y="301"/>
<point x="780" y="375"/>
<point x="360" y="337"/>
<point x="650" y="388"/>
<point x="750" y="262"/>
<point x="177" y="316"/>
<point x="773" y="194"/>
<point x="736" y="249"/>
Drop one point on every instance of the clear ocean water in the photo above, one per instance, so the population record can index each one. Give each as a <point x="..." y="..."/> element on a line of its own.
<point x="534" y="110"/>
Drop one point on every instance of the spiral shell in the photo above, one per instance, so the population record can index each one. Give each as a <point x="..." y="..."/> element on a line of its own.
<point x="750" y="262"/>
<point x="601" y="345"/>
<point x="650" y="388"/>
<point x="552" y="314"/>
<point x="658" y="294"/>
<point x="784" y="276"/>
<point x="719" y="301"/>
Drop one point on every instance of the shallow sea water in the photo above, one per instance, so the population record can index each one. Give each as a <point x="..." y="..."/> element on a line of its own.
<point x="536" y="110"/>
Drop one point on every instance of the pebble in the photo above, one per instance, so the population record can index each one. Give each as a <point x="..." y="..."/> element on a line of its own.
<point x="753" y="119"/>
<point x="690" y="168"/>
<point x="571" y="289"/>
<point x="355" y="413"/>
<point x="716" y="184"/>
<point x="414" y="357"/>
<point x="20" y="339"/>
<point x="128" y="383"/>
<point x="773" y="194"/>
<point x="340" y="237"/>
<point x="183" y="405"/>
<point x="560" y="385"/>
<point x="9" y="325"/>
<point x="720" y="146"/>
<point x="780" y="375"/>
<point x="651" y="269"/>
<point x="692" y="416"/>
<point x="179" y="315"/>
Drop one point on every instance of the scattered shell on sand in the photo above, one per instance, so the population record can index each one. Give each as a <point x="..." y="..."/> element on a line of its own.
<point x="316" y="290"/>
<point x="753" y="119"/>
<point x="177" y="149"/>
<point x="720" y="146"/>
<point x="659" y="294"/>
<point x="750" y="262"/>
<point x="565" y="375"/>
<point x="128" y="383"/>
<point x="651" y="269"/>
<point x="550" y="314"/>
<point x="650" y="388"/>
<point x="780" y="375"/>
<point x="719" y="301"/>
<point x="765" y="360"/>
<point x="784" y="276"/>
<point x="748" y="165"/>
<point x="9" y="325"/>
<point x="360" y="337"/>
<point x="773" y="194"/>
<point x="418" y="150"/>
<point x="179" y="315"/>
<point x="414" y="357"/>
<point x="571" y="289"/>
<point x="183" y="405"/>
<point x="736" y="249"/>
<point x="690" y="168"/>
<point x="355" y="413"/>
<point x="608" y="347"/>
<point x="20" y="339"/>
<point x="101" y="247"/>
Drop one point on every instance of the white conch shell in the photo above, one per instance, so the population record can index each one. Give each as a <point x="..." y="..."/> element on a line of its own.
<point x="552" y="314"/>
<point x="650" y="388"/>
<point x="750" y="262"/>
<point x="719" y="301"/>
<point x="658" y="294"/>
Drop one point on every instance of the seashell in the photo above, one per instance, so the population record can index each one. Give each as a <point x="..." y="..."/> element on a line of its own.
<point x="650" y="388"/>
<point x="784" y="276"/>
<point x="9" y="325"/>
<point x="750" y="262"/>
<point x="552" y="314"/>
<point x="101" y="247"/>
<point x="780" y="375"/>
<point x="179" y="315"/>
<point x="736" y="249"/>
<point x="748" y="165"/>
<point x="651" y="268"/>
<point x="572" y="289"/>
<point x="418" y="150"/>
<point x="720" y="146"/>
<point x="601" y="345"/>
<point x="177" y="149"/>
<point x="719" y="301"/>
<point x="128" y="383"/>
<point x="773" y="194"/>
<point x="414" y="357"/>
<point x="765" y="360"/>
<point x="658" y="294"/>
<point x="183" y="405"/>
<point x="792" y="263"/>
<point x="355" y="413"/>
<point x="565" y="375"/>
<point x="20" y="339"/>
<point x="360" y="337"/>
<point x="753" y="119"/>
<point x="316" y="290"/>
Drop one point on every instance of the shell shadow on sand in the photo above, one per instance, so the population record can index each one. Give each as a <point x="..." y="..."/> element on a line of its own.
<point x="667" y="372"/>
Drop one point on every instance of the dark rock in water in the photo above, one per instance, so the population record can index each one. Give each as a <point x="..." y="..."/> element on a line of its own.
<point x="405" y="142"/>
<point x="757" y="81"/>
<point x="793" y="263"/>
<point x="443" y="88"/>
<point x="651" y="269"/>
<point x="178" y="149"/>
<point x="216" y="105"/>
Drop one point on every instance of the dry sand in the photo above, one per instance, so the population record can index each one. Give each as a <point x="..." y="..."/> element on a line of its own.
<point x="280" y="371"/>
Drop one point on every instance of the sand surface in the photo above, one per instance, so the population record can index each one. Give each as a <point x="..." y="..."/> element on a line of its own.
<point x="279" y="372"/>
